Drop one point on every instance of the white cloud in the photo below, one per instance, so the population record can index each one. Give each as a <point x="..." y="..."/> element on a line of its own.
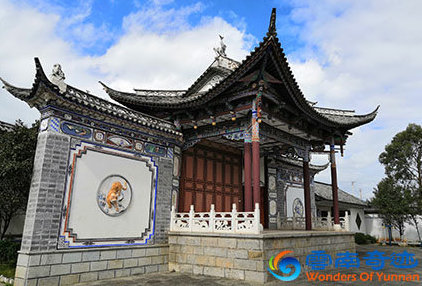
<point x="359" y="54"/>
<point x="158" y="49"/>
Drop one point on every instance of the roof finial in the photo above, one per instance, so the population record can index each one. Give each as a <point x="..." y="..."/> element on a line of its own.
<point x="221" y="51"/>
<point x="271" y="28"/>
<point x="57" y="77"/>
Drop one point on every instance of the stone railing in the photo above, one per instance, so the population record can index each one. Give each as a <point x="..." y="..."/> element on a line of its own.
<point x="216" y="222"/>
<point x="318" y="223"/>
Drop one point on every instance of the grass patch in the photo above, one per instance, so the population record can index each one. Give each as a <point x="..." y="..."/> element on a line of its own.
<point x="8" y="270"/>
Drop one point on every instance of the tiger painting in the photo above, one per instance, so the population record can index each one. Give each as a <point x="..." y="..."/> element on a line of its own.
<point x="114" y="194"/>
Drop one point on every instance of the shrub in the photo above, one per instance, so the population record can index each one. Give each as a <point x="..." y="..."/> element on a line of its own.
<point x="371" y="239"/>
<point x="360" y="238"/>
<point x="9" y="251"/>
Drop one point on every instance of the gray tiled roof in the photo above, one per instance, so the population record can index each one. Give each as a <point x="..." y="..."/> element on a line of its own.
<point x="89" y="101"/>
<point x="195" y="96"/>
<point x="4" y="126"/>
<point x="324" y="191"/>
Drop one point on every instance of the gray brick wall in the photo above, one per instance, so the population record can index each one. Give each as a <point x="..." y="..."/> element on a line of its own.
<point x="280" y="186"/>
<point x="163" y="208"/>
<point x="46" y="193"/>
<point x="41" y="263"/>
<point x="68" y="267"/>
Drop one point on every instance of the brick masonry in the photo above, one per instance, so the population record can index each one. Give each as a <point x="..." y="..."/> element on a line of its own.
<point x="67" y="267"/>
<point x="46" y="193"/>
<point x="40" y="262"/>
<point x="163" y="208"/>
<point x="245" y="257"/>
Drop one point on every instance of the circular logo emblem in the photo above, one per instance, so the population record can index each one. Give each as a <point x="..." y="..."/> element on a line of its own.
<point x="288" y="266"/>
<point x="114" y="195"/>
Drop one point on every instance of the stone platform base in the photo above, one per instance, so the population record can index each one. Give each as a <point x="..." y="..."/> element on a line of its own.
<point x="244" y="256"/>
<point x="68" y="267"/>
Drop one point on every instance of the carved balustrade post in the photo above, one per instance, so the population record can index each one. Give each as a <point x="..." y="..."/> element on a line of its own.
<point x="257" y="220"/>
<point x="234" y="218"/>
<point x="329" y="221"/>
<point x="172" y="218"/>
<point x="212" y="218"/>
<point x="191" y="216"/>
<point x="346" y="222"/>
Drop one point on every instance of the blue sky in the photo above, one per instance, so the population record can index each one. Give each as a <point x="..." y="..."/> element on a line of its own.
<point x="350" y="54"/>
<point x="249" y="15"/>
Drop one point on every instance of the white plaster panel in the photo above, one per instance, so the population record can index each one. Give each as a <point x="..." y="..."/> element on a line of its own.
<point x="353" y="214"/>
<point x="375" y="227"/>
<point x="292" y="193"/>
<point x="86" y="219"/>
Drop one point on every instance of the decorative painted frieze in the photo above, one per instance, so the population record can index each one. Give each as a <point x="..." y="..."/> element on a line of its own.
<point x="76" y="130"/>
<point x="155" y="149"/>
<point x="119" y="141"/>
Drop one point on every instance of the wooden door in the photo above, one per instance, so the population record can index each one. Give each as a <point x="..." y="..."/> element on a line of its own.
<point x="211" y="174"/>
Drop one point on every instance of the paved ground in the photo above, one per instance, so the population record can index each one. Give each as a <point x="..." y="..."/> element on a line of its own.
<point x="178" y="279"/>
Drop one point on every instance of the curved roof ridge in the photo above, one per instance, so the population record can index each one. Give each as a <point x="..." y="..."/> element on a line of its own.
<point x="323" y="190"/>
<point x="296" y="162"/>
<point x="21" y="93"/>
<point x="93" y="102"/>
<point x="333" y="109"/>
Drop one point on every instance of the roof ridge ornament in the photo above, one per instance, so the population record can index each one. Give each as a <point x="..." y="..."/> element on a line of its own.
<point x="57" y="77"/>
<point x="221" y="51"/>
<point x="271" y="28"/>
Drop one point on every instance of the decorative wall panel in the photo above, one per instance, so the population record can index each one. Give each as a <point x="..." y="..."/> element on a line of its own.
<point x="110" y="197"/>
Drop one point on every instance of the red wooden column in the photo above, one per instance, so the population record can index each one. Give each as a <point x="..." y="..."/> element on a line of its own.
<point x="255" y="156"/>
<point x="247" y="169"/>
<point x="307" y="191"/>
<point x="334" y="183"/>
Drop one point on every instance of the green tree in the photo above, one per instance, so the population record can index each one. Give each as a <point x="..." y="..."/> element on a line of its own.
<point x="402" y="160"/>
<point x="392" y="203"/>
<point x="17" y="150"/>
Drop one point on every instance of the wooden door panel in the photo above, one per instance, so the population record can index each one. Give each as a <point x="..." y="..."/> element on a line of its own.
<point x="200" y="169"/>
<point x="189" y="167"/>
<point x="227" y="203"/>
<point x="219" y="203"/>
<point x="199" y="202"/>
<point x="210" y="176"/>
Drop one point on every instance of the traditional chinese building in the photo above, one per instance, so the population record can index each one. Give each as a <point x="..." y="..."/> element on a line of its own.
<point x="239" y="118"/>
<point x="236" y="144"/>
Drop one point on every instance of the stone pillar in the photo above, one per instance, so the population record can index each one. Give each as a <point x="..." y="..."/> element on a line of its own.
<point x="334" y="185"/>
<point x="307" y="191"/>
<point x="255" y="158"/>
<point x="247" y="169"/>
<point x="44" y="208"/>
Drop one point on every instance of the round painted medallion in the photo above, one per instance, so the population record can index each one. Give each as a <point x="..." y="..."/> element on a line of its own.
<point x="114" y="195"/>
<point x="297" y="207"/>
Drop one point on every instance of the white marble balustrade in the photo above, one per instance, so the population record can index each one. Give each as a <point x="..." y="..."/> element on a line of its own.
<point x="216" y="222"/>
